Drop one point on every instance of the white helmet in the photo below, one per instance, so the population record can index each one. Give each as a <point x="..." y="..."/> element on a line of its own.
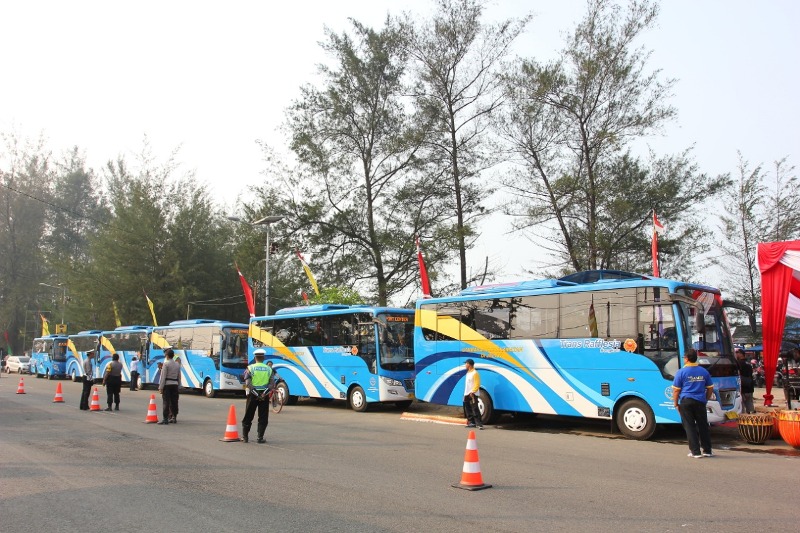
<point x="260" y="352"/>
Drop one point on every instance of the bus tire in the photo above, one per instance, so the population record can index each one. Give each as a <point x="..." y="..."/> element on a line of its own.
<point x="635" y="419"/>
<point x="486" y="408"/>
<point x="357" y="399"/>
<point x="208" y="389"/>
<point x="49" y="375"/>
<point x="74" y="376"/>
<point x="139" y="384"/>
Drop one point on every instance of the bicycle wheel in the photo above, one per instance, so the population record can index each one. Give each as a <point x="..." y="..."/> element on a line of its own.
<point x="277" y="400"/>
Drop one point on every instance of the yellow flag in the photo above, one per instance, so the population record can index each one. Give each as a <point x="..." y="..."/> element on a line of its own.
<point x="116" y="313"/>
<point x="308" y="272"/>
<point x="45" y="327"/>
<point x="152" y="310"/>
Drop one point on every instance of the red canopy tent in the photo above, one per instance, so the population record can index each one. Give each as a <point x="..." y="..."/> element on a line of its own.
<point x="779" y="263"/>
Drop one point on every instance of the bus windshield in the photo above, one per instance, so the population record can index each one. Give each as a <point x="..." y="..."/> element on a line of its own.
<point x="234" y="347"/>
<point x="396" y="341"/>
<point x="709" y="333"/>
<point x="60" y="351"/>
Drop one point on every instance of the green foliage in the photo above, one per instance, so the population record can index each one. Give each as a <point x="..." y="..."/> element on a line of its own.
<point x="365" y="194"/>
<point x="26" y="178"/>
<point x="457" y="63"/>
<point x="336" y="295"/>
<point x="570" y="123"/>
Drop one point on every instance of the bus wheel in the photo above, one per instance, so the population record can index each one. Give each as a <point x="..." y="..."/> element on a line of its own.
<point x="486" y="408"/>
<point x="208" y="389"/>
<point x="358" y="400"/>
<point x="139" y="384"/>
<point x="49" y="375"/>
<point x="74" y="376"/>
<point x="635" y="420"/>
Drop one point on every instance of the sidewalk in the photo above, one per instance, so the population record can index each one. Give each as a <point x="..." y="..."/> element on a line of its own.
<point x="778" y="401"/>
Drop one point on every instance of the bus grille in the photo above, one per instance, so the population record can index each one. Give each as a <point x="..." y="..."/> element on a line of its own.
<point x="409" y="384"/>
<point x="726" y="397"/>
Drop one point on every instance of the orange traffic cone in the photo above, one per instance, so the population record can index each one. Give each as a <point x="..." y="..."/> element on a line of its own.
<point x="232" y="429"/>
<point x="95" y="405"/>
<point x="59" y="398"/>
<point x="21" y="386"/>
<point x="152" y="414"/>
<point x="471" y="478"/>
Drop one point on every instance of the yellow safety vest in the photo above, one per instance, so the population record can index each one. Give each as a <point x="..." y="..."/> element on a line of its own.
<point x="260" y="375"/>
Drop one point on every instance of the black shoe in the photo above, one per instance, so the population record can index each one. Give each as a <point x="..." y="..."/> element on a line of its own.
<point x="164" y="422"/>
<point x="470" y="425"/>
<point x="116" y="407"/>
<point x="173" y="420"/>
<point x="245" y="438"/>
<point x="107" y="409"/>
<point x="261" y="440"/>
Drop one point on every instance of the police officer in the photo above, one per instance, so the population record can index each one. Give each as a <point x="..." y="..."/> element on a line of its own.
<point x="88" y="380"/>
<point x="257" y="380"/>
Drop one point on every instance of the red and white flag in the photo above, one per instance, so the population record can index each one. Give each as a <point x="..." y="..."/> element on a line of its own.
<point x="423" y="273"/>
<point x="248" y="292"/>
<point x="658" y="229"/>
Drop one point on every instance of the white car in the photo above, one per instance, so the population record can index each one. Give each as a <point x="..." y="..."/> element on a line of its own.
<point x="19" y="364"/>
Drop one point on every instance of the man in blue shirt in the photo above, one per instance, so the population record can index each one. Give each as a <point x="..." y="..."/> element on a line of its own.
<point x="691" y="389"/>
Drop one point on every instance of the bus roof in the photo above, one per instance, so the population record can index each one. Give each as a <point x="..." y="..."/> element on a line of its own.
<point x="580" y="281"/>
<point x="331" y="309"/>
<point x="87" y="332"/>
<point x="200" y="322"/>
<point x="124" y="328"/>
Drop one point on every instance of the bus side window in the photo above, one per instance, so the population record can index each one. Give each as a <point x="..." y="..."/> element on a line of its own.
<point x="656" y="329"/>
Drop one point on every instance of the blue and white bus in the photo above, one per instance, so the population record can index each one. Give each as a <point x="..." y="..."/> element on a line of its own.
<point x="587" y="345"/>
<point x="356" y="353"/>
<point x="127" y="342"/>
<point x="212" y="354"/>
<point x="77" y="347"/>
<point x="49" y="356"/>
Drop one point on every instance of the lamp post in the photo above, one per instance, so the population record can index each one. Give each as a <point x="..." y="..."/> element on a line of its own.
<point x="265" y="223"/>
<point x="60" y="287"/>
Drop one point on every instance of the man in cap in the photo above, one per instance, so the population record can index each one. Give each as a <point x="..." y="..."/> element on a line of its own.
<point x="88" y="380"/>
<point x="168" y="387"/>
<point x="257" y="378"/>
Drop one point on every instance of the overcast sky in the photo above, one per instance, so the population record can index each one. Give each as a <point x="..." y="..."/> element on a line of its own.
<point x="213" y="77"/>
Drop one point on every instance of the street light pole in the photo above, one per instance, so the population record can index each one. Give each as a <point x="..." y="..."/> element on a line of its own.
<point x="265" y="222"/>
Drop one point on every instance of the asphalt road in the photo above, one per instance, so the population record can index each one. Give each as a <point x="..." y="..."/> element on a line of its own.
<point x="326" y="468"/>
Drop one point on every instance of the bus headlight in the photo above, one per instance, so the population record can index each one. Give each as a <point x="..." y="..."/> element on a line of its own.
<point x="229" y="376"/>
<point x="392" y="382"/>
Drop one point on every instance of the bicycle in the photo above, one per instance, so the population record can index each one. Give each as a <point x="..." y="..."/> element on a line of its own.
<point x="274" y="396"/>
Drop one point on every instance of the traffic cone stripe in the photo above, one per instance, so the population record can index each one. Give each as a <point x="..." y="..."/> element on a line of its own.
<point x="21" y="386"/>
<point x="472" y="468"/>
<point x="232" y="427"/>
<point x="471" y="478"/>
<point x="95" y="405"/>
<point x="152" y="413"/>
<point x="59" y="398"/>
